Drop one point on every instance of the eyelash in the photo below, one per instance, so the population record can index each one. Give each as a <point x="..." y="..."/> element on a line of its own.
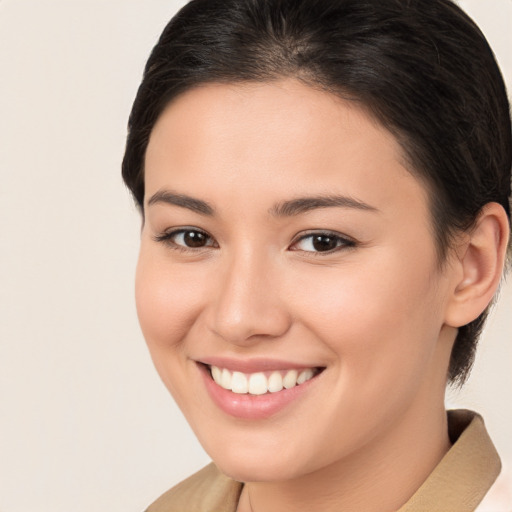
<point x="342" y="242"/>
<point x="169" y="236"/>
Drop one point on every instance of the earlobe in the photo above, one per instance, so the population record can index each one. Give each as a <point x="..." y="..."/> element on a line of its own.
<point x="480" y="265"/>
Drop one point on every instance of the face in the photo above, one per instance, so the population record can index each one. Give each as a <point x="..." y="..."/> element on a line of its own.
<point x="288" y="285"/>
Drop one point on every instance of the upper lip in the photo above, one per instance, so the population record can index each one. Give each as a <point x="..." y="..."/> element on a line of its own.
<point x="254" y="365"/>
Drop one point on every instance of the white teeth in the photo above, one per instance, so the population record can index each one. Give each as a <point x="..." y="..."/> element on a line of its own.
<point x="290" y="379"/>
<point x="225" y="379"/>
<point x="258" y="383"/>
<point x="239" y="383"/>
<point x="216" y="374"/>
<point x="304" y="376"/>
<point x="275" y="382"/>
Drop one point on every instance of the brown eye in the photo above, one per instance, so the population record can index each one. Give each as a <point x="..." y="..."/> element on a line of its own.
<point x="322" y="242"/>
<point x="186" y="239"/>
<point x="194" y="239"/>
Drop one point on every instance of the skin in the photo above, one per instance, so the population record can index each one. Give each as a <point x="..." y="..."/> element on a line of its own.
<point x="377" y="313"/>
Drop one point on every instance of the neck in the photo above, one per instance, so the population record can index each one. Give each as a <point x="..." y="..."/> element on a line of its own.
<point x="380" y="477"/>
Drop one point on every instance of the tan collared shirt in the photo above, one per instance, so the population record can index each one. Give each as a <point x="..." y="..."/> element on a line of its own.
<point x="458" y="483"/>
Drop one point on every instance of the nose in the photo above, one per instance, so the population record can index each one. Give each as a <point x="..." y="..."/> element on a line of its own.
<point x="247" y="305"/>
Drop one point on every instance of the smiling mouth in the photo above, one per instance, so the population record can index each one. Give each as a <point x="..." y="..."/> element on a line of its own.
<point x="261" y="383"/>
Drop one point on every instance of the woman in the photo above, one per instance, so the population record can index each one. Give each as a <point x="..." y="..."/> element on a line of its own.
<point x="325" y="190"/>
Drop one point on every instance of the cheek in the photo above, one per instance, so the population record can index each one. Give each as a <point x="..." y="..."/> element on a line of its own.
<point x="381" y="326"/>
<point x="374" y="317"/>
<point x="167" y="301"/>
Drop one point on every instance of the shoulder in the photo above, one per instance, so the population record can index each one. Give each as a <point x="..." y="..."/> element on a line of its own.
<point x="208" y="490"/>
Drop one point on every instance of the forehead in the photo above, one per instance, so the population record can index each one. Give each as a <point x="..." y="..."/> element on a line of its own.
<point x="280" y="138"/>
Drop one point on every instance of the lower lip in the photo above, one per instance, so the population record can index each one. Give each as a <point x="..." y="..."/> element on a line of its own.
<point x="252" y="407"/>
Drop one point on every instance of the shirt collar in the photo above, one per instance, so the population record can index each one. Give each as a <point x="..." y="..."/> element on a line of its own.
<point x="465" y="474"/>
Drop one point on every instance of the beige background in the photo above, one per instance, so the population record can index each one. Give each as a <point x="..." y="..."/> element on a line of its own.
<point x="85" y="424"/>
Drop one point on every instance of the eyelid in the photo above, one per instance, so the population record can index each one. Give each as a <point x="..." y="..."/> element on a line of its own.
<point x="346" y="241"/>
<point x="167" y="236"/>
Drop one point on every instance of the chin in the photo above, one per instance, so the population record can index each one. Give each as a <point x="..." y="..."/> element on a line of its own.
<point x="270" y="471"/>
<point x="253" y="463"/>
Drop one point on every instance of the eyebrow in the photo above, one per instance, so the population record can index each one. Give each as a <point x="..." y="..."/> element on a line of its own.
<point x="288" y="208"/>
<point x="306" y="204"/>
<point x="184" y="201"/>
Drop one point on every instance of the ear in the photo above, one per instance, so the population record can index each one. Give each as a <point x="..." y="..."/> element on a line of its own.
<point x="479" y="265"/>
